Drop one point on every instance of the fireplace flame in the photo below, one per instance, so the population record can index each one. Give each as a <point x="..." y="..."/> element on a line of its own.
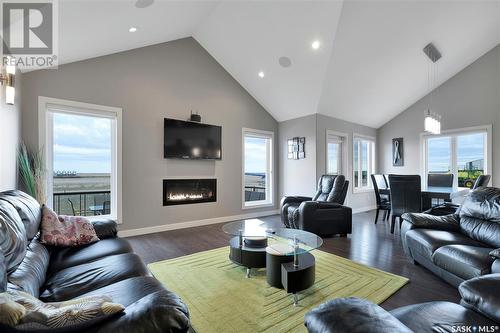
<point x="184" y="196"/>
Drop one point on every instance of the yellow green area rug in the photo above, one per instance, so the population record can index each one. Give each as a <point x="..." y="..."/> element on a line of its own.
<point x="221" y="299"/>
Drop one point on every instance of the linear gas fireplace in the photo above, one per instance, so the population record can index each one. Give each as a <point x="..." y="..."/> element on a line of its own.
<point x="189" y="191"/>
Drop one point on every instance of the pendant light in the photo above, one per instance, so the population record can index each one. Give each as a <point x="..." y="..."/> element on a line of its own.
<point x="432" y="121"/>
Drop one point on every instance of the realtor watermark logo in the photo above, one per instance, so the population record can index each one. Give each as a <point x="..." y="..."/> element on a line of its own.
<point x="29" y="33"/>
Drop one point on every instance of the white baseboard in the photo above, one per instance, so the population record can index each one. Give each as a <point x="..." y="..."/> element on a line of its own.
<point x="190" y="224"/>
<point x="363" y="209"/>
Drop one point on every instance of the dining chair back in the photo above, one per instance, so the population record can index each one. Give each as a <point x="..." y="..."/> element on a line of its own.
<point x="383" y="201"/>
<point x="440" y="179"/>
<point x="406" y="196"/>
<point x="481" y="181"/>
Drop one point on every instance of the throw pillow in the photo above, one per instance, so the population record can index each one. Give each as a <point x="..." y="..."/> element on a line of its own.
<point x="10" y="311"/>
<point x="76" y="314"/>
<point x="65" y="230"/>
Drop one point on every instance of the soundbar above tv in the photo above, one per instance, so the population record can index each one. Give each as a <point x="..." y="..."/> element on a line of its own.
<point x="191" y="140"/>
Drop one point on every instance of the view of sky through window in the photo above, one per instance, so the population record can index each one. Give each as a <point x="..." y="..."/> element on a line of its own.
<point x="82" y="143"/>
<point x="255" y="155"/>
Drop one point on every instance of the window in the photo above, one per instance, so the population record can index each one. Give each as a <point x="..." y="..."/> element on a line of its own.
<point x="363" y="162"/>
<point x="335" y="153"/>
<point x="82" y="145"/>
<point x="463" y="153"/>
<point x="257" y="168"/>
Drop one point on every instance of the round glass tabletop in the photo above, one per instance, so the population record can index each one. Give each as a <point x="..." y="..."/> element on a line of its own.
<point x="280" y="240"/>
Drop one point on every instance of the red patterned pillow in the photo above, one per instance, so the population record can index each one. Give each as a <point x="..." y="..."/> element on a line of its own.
<point x="65" y="230"/>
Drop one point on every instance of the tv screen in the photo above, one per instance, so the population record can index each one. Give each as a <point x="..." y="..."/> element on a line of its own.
<point x="191" y="140"/>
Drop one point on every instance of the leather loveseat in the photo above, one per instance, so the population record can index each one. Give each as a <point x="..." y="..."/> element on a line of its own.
<point x="323" y="214"/>
<point x="107" y="267"/>
<point x="459" y="246"/>
<point x="478" y="311"/>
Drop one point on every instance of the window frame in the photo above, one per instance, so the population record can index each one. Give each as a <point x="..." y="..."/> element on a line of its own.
<point x="453" y="134"/>
<point x="46" y="107"/>
<point x="371" y="167"/>
<point x="270" y="169"/>
<point x="342" y="164"/>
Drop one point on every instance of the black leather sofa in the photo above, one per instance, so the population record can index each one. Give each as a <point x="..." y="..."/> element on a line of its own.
<point x="478" y="311"/>
<point x="459" y="246"/>
<point x="107" y="267"/>
<point x="323" y="214"/>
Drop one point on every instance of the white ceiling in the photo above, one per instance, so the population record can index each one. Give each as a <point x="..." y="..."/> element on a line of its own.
<point x="369" y="68"/>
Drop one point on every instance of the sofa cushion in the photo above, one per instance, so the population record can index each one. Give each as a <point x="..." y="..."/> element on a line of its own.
<point x="485" y="231"/>
<point x="439" y="317"/>
<point x="464" y="261"/>
<point x="62" y="258"/>
<point x="426" y="241"/>
<point x="137" y="287"/>
<point x="12" y="236"/>
<point x="77" y="280"/>
<point x="29" y="276"/>
<point x="59" y="317"/>
<point x="481" y="294"/>
<point x="480" y="216"/>
<point x="28" y="209"/>
<point x="64" y="230"/>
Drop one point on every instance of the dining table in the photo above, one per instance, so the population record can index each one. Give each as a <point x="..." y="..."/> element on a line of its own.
<point x="435" y="192"/>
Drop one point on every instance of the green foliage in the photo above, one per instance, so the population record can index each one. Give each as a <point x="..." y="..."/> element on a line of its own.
<point x="32" y="172"/>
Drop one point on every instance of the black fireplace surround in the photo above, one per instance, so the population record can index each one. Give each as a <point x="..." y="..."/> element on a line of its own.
<point x="189" y="191"/>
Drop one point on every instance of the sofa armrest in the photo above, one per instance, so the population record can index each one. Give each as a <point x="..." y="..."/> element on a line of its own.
<point x="354" y="315"/>
<point x="161" y="311"/>
<point x="421" y="220"/>
<point x="479" y="295"/>
<point x="105" y="228"/>
<point x="294" y="199"/>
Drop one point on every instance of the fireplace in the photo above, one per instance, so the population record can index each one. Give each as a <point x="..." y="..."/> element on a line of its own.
<point x="189" y="191"/>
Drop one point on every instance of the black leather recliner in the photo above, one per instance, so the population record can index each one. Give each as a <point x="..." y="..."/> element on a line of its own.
<point x="478" y="311"/>
<point x="107" y="267"/>
<point x="459" y="246"/>
<point x="323" y="214"/>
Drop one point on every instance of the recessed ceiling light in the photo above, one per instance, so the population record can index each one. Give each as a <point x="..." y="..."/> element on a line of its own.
<point x="315" y="45"/>
<point x="261" y="74"/>
<point x="143" y="3"/>
<point x="132" y="29"/>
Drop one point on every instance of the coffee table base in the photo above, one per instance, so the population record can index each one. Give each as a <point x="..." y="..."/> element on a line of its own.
<point x="297" y="278"/>
<point x="249" y="257"/>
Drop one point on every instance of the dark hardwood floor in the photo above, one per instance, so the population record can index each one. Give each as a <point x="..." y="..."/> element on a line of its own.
<point x="370" y="244"/>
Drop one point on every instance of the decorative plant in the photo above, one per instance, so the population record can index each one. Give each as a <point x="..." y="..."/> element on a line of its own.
<point x="32" y="172"/>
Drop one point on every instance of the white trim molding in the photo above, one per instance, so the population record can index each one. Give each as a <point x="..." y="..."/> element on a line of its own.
<point x="45" y="142"/>
<point x="191" y="224"/>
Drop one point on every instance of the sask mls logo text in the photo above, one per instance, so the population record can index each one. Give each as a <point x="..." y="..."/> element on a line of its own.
<point x="29" y="33"/>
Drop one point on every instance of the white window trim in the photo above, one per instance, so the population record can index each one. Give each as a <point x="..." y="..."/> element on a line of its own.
<point x="270" y="197"/>
<point x="368" y="188"/>
<point x="456" y="132"/>
<point x="345" y="147"/>
<point x="45" y="127"/>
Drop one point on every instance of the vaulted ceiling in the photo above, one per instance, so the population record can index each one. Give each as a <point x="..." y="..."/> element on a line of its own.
<point x="369" y="66"/>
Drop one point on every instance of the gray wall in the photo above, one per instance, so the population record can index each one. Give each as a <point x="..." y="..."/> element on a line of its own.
<point x="150" y="83"/>
<point x="299" y="177"/>
<point x="470" y="98"/>
<point x="10" y="136"/>
<point x="357" y="201"/>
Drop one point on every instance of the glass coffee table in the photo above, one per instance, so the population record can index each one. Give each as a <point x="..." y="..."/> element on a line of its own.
<point x="285" y="253"/>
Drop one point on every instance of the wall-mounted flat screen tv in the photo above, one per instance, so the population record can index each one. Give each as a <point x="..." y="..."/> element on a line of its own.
<point x="191" y="140"/>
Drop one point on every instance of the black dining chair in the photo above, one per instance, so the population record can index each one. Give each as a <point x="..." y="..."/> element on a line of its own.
<point x="481" y="181"/>
<point x="439" y="180"/>
<point x="383" y="201"/>
<point x="406" y="196"/>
